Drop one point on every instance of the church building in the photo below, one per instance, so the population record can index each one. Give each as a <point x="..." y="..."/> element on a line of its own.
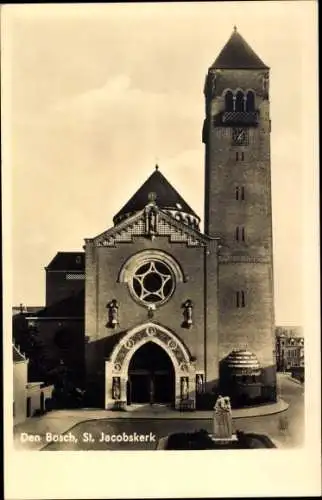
<point x="157" y="310"/>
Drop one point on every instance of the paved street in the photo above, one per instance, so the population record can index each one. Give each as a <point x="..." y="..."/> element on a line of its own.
<point x="287" y="427"/>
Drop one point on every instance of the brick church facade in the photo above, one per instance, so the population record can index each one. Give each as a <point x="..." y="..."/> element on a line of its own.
<point x="155" y="310"/>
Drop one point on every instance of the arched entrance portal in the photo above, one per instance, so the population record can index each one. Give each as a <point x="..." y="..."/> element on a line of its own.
<point x="149" y="363"/>
<point x="151" y="376"/>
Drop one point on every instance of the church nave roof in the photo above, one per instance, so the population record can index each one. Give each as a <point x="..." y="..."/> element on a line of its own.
<point x="166" y="198"/>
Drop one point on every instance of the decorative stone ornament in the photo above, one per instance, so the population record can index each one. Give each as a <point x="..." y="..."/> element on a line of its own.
<point x="187" y="313"/>
<point x="151" y="331"/>
<point x="184" y="386"/>
<point x="116" y="388"/>
<point x="199" y="383"/>
<point x="113" y="313"/>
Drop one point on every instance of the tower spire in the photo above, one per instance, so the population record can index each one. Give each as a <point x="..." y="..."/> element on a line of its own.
<point x="237" y="54"/>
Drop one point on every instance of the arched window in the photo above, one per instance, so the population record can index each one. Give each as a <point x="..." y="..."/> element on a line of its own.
<point x="229" y="106"/>
<point x="250" y="101"/>
<point x="239" y="103"/>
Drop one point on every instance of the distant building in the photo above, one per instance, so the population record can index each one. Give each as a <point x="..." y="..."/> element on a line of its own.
<point x="27" y="397"/>
<point x="289" y="331"/>
<point x="289" y="348"/>
<point x="25" y="309"/>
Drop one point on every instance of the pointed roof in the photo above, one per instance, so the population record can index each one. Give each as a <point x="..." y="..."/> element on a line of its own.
<point x="237" y="54"/>
<point x="157" y="186"/>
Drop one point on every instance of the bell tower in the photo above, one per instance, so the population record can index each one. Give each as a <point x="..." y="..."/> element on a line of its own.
<point x="236" y="135"/>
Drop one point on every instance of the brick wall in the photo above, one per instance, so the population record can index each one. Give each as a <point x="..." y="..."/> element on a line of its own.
<point x="58" y="287"/>
<point x="243" y="265"/>
<point x="102" y="270"/>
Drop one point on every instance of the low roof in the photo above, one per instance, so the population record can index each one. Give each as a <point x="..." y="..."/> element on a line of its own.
<point x="67" y="261"/>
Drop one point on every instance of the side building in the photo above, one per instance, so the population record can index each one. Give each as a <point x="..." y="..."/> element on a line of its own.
<point x="289" y="348"/>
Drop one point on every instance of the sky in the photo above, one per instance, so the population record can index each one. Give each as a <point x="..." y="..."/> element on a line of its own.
<point x="97" y="94"/>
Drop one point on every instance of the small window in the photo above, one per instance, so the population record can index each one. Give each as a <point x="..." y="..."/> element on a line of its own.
<point x="240" y="193"/>
<point x="229" y="100"/>
<point x="242" y="156"/>
<point x="237" y="156"/>
<point x="240" y="299"/>
<point x="240" y="233"/>
<point x="240" y="101"/>
<point x="250" y="101"/>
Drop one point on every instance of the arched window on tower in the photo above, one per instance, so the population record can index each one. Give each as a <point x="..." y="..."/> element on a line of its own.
<point x="229" y="100"/>
<point x="250" y="101"/>
<point x="240" y="101"/>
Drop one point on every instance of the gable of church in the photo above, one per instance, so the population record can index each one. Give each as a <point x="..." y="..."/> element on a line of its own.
<point x="138" y="225"/>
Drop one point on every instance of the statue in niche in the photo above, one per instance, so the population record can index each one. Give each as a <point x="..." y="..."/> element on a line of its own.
<point x="113" y="314"/>
<point x="184" y="388"/>
<point x="151" y="215"/>
<point x="199" y="383"/>
<point x="187" y="313"/>
<point x="222" y="418"/>
<point x="116" y="389"/>
<point x="152" y="221"/>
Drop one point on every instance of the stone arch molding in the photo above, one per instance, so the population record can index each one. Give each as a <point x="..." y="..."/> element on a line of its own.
<point x="150" y="332"/>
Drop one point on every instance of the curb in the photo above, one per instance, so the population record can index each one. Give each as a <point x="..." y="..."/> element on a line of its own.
<point x="292" y="379"/>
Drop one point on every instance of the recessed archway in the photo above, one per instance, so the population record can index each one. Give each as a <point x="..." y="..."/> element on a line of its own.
<point x="151" y="376"/>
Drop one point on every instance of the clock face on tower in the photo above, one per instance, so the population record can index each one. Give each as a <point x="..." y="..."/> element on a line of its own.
<point x="240" y="136"/>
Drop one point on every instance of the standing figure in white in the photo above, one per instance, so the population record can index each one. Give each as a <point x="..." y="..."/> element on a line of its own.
<point x="223" y="418"/>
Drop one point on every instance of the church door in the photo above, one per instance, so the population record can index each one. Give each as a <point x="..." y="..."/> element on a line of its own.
<point x="151" y="376"/>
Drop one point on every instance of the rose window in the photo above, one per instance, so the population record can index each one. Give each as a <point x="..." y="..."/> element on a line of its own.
<point x="153" y="282"/>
